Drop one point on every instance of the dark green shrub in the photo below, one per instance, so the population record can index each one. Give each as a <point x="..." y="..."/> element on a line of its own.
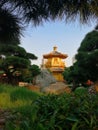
<point x="60" y="112"/>
<point x="24" y="118"/>
<point x="68" y="111"/>
<point x="81" y="91"/>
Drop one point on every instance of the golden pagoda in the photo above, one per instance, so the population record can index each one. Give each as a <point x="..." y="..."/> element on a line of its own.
<point x="54" y="61"/>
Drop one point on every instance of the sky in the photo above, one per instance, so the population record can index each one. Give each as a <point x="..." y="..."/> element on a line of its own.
<point x="67" y="37"/>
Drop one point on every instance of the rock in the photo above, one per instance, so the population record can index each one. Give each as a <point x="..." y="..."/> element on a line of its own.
<point x="45" y="78"/>
<point x="45" y="82"/>
<point x="34" y="88"/>
<point x="96" y="86"/>
<point x="57" y="88"/>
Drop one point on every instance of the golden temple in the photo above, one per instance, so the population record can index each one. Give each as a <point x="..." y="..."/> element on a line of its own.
<point x="54" y="61"/>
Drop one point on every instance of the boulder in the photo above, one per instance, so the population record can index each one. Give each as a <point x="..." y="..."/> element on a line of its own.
<point x="57" y="88"/>
<point x="96" y="85"/>
<point x="33" y="88"/>
<point x="45" y="78"/>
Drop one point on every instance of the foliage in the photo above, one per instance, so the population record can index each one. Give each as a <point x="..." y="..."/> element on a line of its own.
<point x="14" y="59"/>
<point x="92" y="39"/>
<point x="87" y="56"/>
<point x="35" y="70"/>
<point x="86" y="65"/>
<point x="67" y="74"/>
<point x="76" y="111"/>
<point x="12" y="49"/>
<point x="10" y="26"/>
<point x="30" y="75"/>
<point x="15" y="97"/>
<point x="39" y="11"/>
<point x="81" y="91"/>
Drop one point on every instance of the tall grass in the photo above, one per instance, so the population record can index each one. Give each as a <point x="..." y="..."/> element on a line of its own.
<point x="14" y="96"/>
<point x="23" y="94"/>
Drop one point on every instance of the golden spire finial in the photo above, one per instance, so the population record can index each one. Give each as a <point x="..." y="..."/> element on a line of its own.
<point x="55" y="48"/>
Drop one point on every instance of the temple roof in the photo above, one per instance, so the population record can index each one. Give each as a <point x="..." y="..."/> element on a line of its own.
<point x="55" y="53"/>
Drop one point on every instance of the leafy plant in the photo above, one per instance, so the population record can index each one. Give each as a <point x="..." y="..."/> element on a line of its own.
<point x="74" y="111"/>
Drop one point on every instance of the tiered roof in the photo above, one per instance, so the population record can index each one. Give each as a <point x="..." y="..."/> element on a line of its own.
<point x="55" y="53"/>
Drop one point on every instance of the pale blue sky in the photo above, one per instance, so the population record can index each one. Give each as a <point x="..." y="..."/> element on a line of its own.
<point x="67" y="37"/>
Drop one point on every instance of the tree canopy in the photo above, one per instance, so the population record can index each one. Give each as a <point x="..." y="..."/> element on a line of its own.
<point x="86" y="65"/>
<point x="87" y="56"/>
<point x="14" y="60"/>
<point x="10" y="28"/>
<point x="38" y="11"/>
